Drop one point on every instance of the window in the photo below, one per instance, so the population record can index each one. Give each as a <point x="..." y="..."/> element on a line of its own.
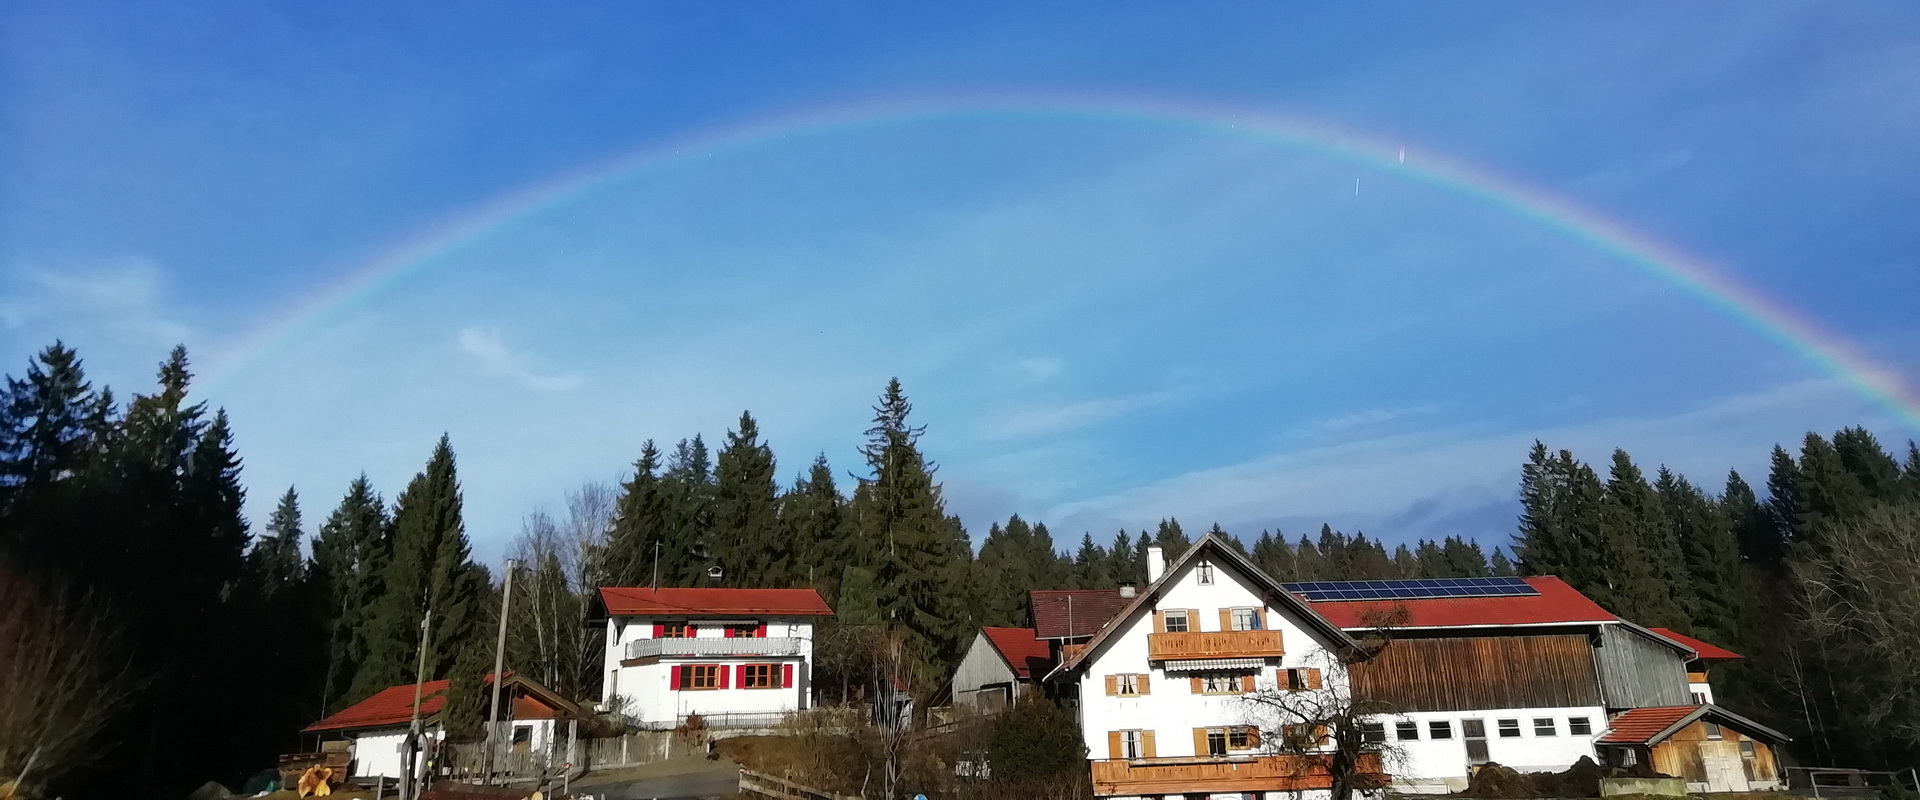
<point x="1545" y="726"/>
<point x="1406" y="730"/>
<point x="1220" y="684"/>
<point x="750" y="630"/>
<point x="1509" y="728"/>
<point x="1750" y="759"/>
<point x="1439" y="729"/>
<point x="1127" y="685"/>
<point x="1204" y="574"/>
<point x="1242" y="737"/>
<point x="1216" y="741"/>
<point x="1373" y="732"/>
<point x="1713" y="731"/>
<point x="1176" y="621"/>
<point x="1474" y="732"/>
<point x="1579" y="726"/>
<point x="700" y="676"/>
<point x="1302" y="736"/>
<point x="676" y="630"/>
<point x="1129" y="744"/>
<point x="760" y="676"/>
<point x="1246" y="619"/>
<point x="1299" y="678"/>
<point x="1699" y="698"/>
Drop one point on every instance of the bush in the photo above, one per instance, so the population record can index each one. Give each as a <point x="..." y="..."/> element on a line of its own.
<point x="1035" y="740"/>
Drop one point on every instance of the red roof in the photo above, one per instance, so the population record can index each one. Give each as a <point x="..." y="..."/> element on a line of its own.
<point x="391" y="706"/>
<point x="1026" y="653"/>
<point x="1088" y="610"/>
<point x="631" y="601"/>
<point x="1706" y="652"/>
<point x="1556" y="603"/>
<point x="1644" y="725"/>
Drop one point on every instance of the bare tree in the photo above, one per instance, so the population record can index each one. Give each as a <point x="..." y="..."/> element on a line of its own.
<point x="62" y="677"/>
<point x="1860" y="604"/>
<point x="1313" y="714"/>
<point x="547" y="635"/>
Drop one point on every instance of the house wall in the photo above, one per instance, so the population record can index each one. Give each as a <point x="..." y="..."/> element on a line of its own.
<point x="646" y="691"/>
<point x="1681" y="756"/>
<point x="1480" y="672"/>
<point x="981" y="668"/>
<point x="376" y="752"/>
<point x="1428" y="765"/>
<point x="1637" y="672"/>
<point x="1170" y="708"/>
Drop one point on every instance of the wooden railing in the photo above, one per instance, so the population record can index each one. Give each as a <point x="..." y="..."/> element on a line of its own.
<point x="764" y="785"/>
<point x="1214" y="644"/>
<point x="1270" y="773"/>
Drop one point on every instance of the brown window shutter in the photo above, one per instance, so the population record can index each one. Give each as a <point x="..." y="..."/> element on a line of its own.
<point x="1253" y="736"/>
<point x="1113" y="685"/>
<point x="1113" y="745"/>
<point x="1143" y="683"/>
<point x="1262" y="613"/>
<point x="1283" y="678"/>
<point x="1313" y="679"/>
<point x="1199" y="741"/>
<point x="1197" y="685"/>
<point x="1246" y="684"/>
<point x="1146" y="744"/>
<point x="1321" y="734"/>
<point x="1226" y="619"/>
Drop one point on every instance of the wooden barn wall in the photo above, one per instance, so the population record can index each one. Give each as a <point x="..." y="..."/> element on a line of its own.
<point x="982" y="666"/>
<point x="1464" y="674"/>
<point x="1636" y="672"/>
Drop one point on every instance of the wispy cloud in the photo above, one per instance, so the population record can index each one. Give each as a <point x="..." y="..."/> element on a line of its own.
<point x="122" y="301"/>
<point x="488" y="348"/>
<point x="1039" y="369"/>
<point x="1062" y="418"/>
<point x="1364" y="418"/>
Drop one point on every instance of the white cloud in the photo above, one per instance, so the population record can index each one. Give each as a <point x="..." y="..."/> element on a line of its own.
<point x="1059" y="419"/>
<point x="1364" y="418"/>
<point x="487" y="347"/>
<point x="121" y="301"/>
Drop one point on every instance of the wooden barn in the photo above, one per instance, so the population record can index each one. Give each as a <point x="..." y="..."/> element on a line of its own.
<point x="1713" y="749"/>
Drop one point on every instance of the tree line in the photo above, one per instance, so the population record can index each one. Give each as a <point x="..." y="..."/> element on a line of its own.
<point x="1817" y="583"/>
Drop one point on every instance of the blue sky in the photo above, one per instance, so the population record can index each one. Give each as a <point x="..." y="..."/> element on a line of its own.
<point x="1103" y="320"/>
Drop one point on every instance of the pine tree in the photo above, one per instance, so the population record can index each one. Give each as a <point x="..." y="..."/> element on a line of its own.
<point x="639" y="525"/>
<point x="51" y="420"/>
<point x="1828" y="492"/>
<point x="1784" y="501"/>
<point x="275" y="561"/>
<point x="1092" y="566"/>
<point x="1862" y="456"/>
<point x="1652" y="586"/>
<point x="349" y="561"/>
<point x="1124" y="562"/>
<point x="431" y="572"/>
<point x="1308" y="565"/>
<point x="1274" y="556"/>
<point x="1756" y="530"/>
<point x="1405" y="565"/>
<point x="687" y="484"/>
<point x="747" y="540"/>
<point x="1172" y="540"/>
<point x="1336" y="562"/>
<point x="1430" y="560"/>
<point x="464" y="713"/>
<point x="1910" y="472"/>
<point x="814" y="516"/>
<point x="1716" y="582"/>
<point x="1463" y="559"/>
<point x="899" y="511"/>
<point x="1502" y="567"/>
<point x="1367" y="559"/>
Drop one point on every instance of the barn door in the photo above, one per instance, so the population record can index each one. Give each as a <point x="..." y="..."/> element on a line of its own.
<point x="1474" y="731"/>
<point x="1725" y="772"/>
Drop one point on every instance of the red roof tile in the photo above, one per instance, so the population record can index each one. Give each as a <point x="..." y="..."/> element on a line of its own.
<point x="1089" y="611"/>
<point x="1643" y="725"/>
<point x="1556" y="603"/>
<point x="1707" y="652"/>
<point x="1027" y="654"/>
<point x="628" y="601"/>
<point x="387" y="707"/>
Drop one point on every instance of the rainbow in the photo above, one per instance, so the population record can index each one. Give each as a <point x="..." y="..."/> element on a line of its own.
<point x="1694" y="275"/>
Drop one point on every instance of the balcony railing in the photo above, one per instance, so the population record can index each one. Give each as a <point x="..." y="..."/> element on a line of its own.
<point x="715" y="647"/>
<point x="1200" y="775"/>
<point x="1214" y="644"/>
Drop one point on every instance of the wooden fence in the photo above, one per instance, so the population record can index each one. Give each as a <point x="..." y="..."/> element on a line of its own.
<point x="764" y="785"/>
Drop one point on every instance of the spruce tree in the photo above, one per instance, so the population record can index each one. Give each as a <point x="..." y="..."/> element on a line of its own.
<point x="1784" y="501"/>
<point x="814" y="516"/>
<point x="1828" y="492"/>
<point x="1501" y="566"/>
<point x="746" y="536"/>
<point x="1430" y="561"/>
<point x="51" y="420"/>
<point x="1092" y="566"/>
<point x="1716" y="581"/>
<point x="1463" y="559"/>
<point x="275" y="561"/>
<point x="1910" y="473"/>
<point x="1275" y="556"/>
<point x="1124" y="561"/>
<point x="1756" y="530"/>
<point x="1862" y="456"/>
<point x="1651" y="586"/>
<point x="1172" y="540"/>
<point x="350" y="557"/>
<point x="1308" y="565"/>
<point x="687" y="483"/>
<point x="1336" y="561"/>
<point x="639" y="525"/>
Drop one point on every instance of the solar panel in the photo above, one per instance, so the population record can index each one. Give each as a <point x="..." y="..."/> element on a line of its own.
<point x="1411" y="589"/>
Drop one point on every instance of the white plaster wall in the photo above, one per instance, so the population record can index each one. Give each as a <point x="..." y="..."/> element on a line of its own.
<point x="377" y="753"/>
<point x="1704" y="690"/>
<point x="1170" y="709"/>
<point x="1428" y="763"/>
<point x="647" y="689"/>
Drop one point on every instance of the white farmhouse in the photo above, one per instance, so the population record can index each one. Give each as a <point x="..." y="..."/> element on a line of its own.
<point x="738" y="658"/>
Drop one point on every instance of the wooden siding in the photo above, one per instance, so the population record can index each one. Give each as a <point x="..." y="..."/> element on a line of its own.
<point x="1214" y="644"/>
<point x="1471" y="673"/>
<point x="1680" y="756"/>
<point x="981" y="667"/>
<point x="1279" y="773"/>
<point x="1637" y="672"/>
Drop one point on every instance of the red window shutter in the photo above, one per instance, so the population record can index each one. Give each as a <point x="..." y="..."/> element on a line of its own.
<point x="673" y="679"/>
<point x="692" y="630"/>
<point x="786" y="676"/>
<point x="658" y="630"/>
<point x="740" y="680"/>
<point x="762" y="631"/>
<point x="722" y="683"/>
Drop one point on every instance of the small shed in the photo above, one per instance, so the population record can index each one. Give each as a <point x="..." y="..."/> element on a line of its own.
<point x="376" y="728"/>
<point x="1711" y="748"/>
<point x="999" y="662"/>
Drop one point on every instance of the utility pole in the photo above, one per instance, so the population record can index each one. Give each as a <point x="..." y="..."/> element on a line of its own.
<point x="499" y="676"/>
<point x="411" y="748"/>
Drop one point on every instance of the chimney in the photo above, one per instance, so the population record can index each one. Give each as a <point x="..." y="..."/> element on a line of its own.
<point x="1156" y="562"/>
<point x="1126" y="590"/>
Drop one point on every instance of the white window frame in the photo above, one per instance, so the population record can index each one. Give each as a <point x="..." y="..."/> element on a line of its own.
<point x="1127" y="685"/>
<point x="1545" y="726"/>
<point x="1440" y="729"/>
<point x="1186" y="620"/>
<point x="1574" y="724"/>
<point x="1203" y="574"/>
<point x="1132" y="744"/>
<point x="1245" y="619"/>
<point x="1400" y="730"/>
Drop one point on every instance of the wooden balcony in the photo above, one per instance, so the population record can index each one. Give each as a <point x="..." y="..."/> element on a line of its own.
<point x="1266" y="773"/>
<point x="1214" y="644"/>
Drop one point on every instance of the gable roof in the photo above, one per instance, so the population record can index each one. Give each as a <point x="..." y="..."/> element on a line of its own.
<point x="1073" y="613"/>
<point x="1022" y="651"/>
<point x="1556" y="603"/>
<point x="394" y="705"/>
<point x="637" y="600"/>
<point x="1647" y="726"/>
<point x="1276" y="595"/>
<point x="1701" y="650"/>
